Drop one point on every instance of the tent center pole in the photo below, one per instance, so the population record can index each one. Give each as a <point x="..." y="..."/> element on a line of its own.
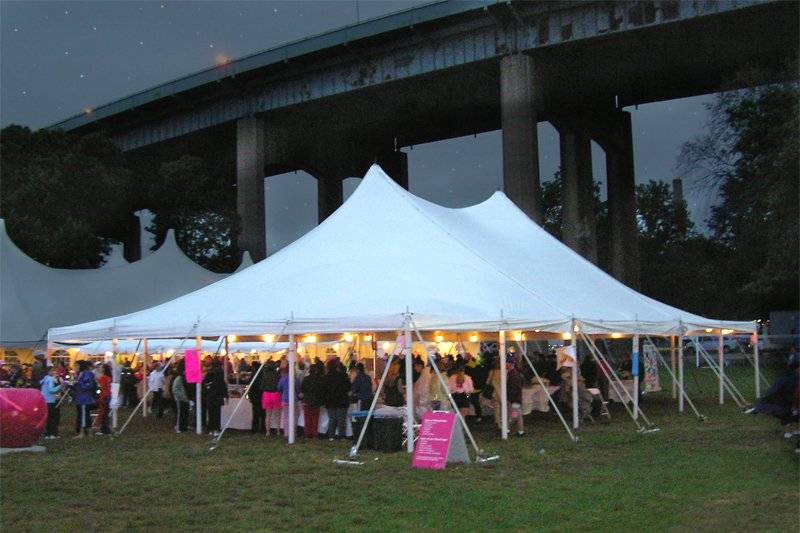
<point x="721" y="359"/>
<point x="635" y="372"/>
<point x="503" y="386"/>
<point x="409" y="387"/>
<point x="756" y="365"/>
<point x="198" y="408"/>
<point x="291" y="425"/>
<point x="575" y="408"/>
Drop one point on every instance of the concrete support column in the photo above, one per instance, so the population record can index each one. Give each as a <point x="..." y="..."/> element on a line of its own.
<point x="250" y="168"/>
<point x="618" y="145"/>
<point x="395" y="164"/>
<point x="329" y="196"/>
<point x="520" y="140"/>
<point x="132" y="247"/>
<point x="578" y="223"/>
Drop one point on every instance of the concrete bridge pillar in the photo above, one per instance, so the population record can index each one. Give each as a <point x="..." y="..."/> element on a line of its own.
<point x="520" y="140"/>
<point x="616" y="139"/>
<point x="395" y="164"/>
<point x="251" y="151"/>
<point x="329" y="195"/>
<point x="578" y="224"/>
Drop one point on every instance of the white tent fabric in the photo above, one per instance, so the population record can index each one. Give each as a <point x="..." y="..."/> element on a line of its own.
<point x="386" y="253"/>
<point x="34" y="297"/>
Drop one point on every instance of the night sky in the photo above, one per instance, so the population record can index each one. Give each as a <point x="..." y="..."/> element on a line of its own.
<point x="57" y="58"/>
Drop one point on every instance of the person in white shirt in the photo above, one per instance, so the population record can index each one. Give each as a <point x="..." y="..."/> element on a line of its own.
<point x="155" y="383"/>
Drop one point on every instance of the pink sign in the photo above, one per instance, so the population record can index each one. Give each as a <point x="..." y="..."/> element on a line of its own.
<point x="191" y="361"/>
<point x="435" y="433"/>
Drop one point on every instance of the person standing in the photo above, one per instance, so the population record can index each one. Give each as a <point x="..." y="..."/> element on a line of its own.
<point x="85" y="389"/>
<point x="461" y="388"/>
<point x="254" y="395"/>
<point x="270" y="397"/>
<point x="215" y="393"/>
<point x="337" y="399"/>
<point x="514" y="384"/>
<point x="286" y="399"/>
<point x="155" y="383"/>
<point x="362" y="388"/>
<point x="311" y="394"/>
<point x="51" y="387"/>
<point x="478" y="374"/>
<point x="179" y="394"/>
<point x="38" y="370"/>
<point x="103" y="400"/>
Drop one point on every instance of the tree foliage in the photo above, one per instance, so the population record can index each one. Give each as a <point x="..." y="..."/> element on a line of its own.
<point x="198" y="206"/>
<point x="63" y="197"/>
<point x="751" y="154"/>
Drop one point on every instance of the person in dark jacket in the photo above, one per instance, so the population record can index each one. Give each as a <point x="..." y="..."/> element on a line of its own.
<point x="215" y="392"/>
<point x="337" y="399"/>
<point x="270" y="397"/>
<point x="254" y="395"/>
<point x="514" y="384"/>
<point x="312" y="394"/>
<point x="85" y="389"/>
<point x="38" y="370"/>
<point x="478" y="373"/>
<point x="393" y="389"/>
<point x="362" y="388"/>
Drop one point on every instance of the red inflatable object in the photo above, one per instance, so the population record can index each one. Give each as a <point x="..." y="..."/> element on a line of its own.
<point x="23" y="415"/>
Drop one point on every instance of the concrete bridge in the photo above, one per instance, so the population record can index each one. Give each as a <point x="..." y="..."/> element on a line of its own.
<point x="334" y="103"/>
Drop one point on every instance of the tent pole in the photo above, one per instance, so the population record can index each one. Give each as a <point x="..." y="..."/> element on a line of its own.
<point x="409" y="387"/>
<point x="198" y="408"/>
<point x="354" y="449"/>
<point x="145" y="384"/>
<point x="673" y="362"/>
<point x="696" y="353"/>
<point x="549" y="397"/>
<point x="115" y="378"/>
<point x="635" y="372"/>
<point x="721" y="363"/>
<point x="291" y="426"/>
<point x="680" y="372"/>
<point x="732" y="390"/>
<point x="683" y="392"/>
<point x="503" y="387"/>
<point x="756" y="365"/>
<point x="575" y="409"/>
<point x="616" y="383"/>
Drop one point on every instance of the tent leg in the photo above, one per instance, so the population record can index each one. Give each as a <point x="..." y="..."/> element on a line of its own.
<point x="682" y="392"/>
<point x="635" y="372"/>
<point x="727" y="383"/>
<point x="354" y="449"/>
<point x="673" y="362"/>
<point x="409" y="388"/>
<point x="503" y="387"/>
<point x="756" y="366"/>
<point x="291" y="424"/>
<point x="145" y="384"/>
<point x="680" y="373"/>
<point x="115" y="379"/>
<point x="549" y="398"/>
<point x="198" y="408"/>
<point x="721" y="362"/>
<point x="575" y="406"/>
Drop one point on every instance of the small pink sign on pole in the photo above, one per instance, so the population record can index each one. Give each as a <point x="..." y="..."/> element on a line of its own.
<point x="191" y="361"/>
<point x="433" y="444"/>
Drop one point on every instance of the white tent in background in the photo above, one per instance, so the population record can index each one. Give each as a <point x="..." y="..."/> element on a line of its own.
<point x="34" y="297"/>
<point x="386" y="252"/>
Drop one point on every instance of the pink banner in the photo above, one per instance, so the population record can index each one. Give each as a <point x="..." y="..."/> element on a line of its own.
<point x="435" y="432"/>
<point x="191" y="360"/>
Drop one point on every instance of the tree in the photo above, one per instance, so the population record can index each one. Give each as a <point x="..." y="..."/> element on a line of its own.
<point x="64" y="197"/>
<point x="199" y="207"/>
<point x="751" y="155"/>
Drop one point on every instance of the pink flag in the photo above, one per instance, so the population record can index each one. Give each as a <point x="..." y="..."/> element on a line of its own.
<point x="191" y="360"/>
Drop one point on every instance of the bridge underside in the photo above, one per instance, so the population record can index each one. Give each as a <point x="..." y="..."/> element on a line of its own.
<point x="580" y="87"/>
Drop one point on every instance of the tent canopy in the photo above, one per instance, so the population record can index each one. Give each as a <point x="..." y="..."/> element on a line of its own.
<point x="35" y="297"/>
<point x="386" y="253"/>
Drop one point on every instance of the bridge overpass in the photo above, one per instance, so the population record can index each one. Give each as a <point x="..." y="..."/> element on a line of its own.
<point x="334" y="103"/>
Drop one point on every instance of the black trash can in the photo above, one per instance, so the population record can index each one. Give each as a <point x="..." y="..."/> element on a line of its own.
<point x="369" y="437"/>
<point x="388" y="433"/>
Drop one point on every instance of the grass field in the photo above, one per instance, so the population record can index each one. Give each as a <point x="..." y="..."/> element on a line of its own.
<point x="732" y="472"/>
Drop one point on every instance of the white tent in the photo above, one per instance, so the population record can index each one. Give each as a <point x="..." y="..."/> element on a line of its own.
<point x="386" y="253"/>
<point x="35" y="297"/>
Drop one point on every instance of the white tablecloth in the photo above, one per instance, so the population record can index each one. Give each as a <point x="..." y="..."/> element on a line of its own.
<point x="244" y="416"/>
<point x="612" y="393"/>
<point x="535" y="398"/>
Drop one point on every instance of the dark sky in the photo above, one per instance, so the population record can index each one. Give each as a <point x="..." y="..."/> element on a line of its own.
<point x="57" y="58"/>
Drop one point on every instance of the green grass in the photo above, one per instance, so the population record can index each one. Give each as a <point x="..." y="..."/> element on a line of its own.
<point x="730" y="473"/>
